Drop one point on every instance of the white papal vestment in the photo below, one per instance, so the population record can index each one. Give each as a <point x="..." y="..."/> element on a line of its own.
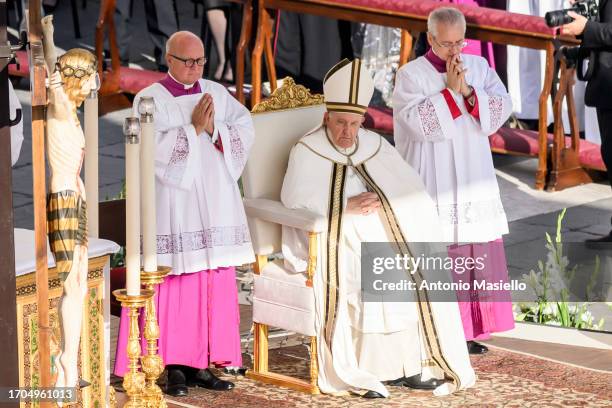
<point x="361" y="344"/>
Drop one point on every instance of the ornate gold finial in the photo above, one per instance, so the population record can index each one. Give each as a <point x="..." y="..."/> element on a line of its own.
<point x="289" y="96"/>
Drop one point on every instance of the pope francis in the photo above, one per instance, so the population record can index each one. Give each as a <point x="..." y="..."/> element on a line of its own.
<point x="368" y="193"/>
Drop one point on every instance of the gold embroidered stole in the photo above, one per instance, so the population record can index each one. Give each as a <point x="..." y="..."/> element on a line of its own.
<point x="432" y="344"/>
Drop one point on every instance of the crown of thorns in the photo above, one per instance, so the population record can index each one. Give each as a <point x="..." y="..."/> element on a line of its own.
<point x="77" y="72"/>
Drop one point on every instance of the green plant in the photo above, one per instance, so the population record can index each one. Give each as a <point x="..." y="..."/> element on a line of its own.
<point x="549" y="283"/>
<point x="118" y="258"/>
<point x="121" y="195"/>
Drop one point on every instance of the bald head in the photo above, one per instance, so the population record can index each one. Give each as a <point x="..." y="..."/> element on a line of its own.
<point x="182" y="46"/>
<point x="182" y="39"/>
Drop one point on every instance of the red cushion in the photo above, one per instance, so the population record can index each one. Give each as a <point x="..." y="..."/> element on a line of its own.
<point x="516" y="141"/>
<point x="505" y="139"/>
<point x="526" y="142"/>
<point x="476" y="15"/>
<point x="131" y="80"/>
<point x="590" y="155"/>
<point x="24" y="66"/>
<point x="134" y="80"/>
<point x="379" y="119"/>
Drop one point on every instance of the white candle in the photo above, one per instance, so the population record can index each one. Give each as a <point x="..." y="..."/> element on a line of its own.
<point x="91" y="162"/>
<point x="146" y="108"/>
<point x="131" y="130"/>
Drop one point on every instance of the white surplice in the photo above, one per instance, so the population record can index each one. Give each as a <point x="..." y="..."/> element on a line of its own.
<point x="370" y="341"/>
<point x="453" y="156"/>
<point x="201" y="223"/>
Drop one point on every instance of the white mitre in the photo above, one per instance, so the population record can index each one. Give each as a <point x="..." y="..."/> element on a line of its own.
<point x="348" y="87"/>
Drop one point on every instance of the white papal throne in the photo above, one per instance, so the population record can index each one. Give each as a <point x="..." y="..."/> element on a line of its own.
<point x="281" y="298"/>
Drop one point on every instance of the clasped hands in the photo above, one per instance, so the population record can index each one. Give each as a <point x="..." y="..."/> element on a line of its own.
<point x="455" y="76"/>
<point x="362" y="204"/>
<point x="203" y="116"/>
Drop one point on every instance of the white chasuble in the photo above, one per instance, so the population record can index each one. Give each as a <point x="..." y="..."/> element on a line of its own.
<point x="321" y="179"/>
<point x="201" y="223"/>
<point x="450" y="151"/>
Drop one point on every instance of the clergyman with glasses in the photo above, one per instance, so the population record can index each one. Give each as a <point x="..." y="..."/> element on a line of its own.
<point x="445" y="105"/>
<point x="202" y="140"/>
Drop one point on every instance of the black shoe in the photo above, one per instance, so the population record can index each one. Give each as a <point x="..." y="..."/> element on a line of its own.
<point x="83" y="383"/>
<point x="235" y="371"/>
<point x="176" y="385"/>
<point x="372" y="394"/>
<point x="206" y="379"/>
<point x="415" y="382"/>
<point x="476" y="348"/>
<point x="397" y="383"/>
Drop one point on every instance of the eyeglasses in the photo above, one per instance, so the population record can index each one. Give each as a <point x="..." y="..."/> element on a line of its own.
<point x="190" y="61"/>
<point x="461" y="44"/>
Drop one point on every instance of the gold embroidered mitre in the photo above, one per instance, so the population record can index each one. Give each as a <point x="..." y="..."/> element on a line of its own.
<point x="348" y="87"/>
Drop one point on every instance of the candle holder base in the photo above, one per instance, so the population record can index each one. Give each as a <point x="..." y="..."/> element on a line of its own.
<point x="134" y="380"/>
<point x="155" y="277"/>
<point x="112" y="397"/>
<point x="152" y="363"/>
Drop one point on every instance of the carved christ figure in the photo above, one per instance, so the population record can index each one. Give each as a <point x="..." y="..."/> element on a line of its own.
<point x="73" y="77"/>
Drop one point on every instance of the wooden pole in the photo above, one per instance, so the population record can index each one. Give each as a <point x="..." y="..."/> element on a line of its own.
<point x="542" y="171"/>
<point x="39" y="102"/>
<point x="9" y="369"/>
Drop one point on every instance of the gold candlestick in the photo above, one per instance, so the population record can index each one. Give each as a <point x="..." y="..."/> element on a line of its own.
<point x="112" y="397"/>
<point x="152" y="363"/>
<point x="134" y="380"/>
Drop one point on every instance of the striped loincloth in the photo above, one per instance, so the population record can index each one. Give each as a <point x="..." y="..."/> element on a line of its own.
<point x="67" y="227"/>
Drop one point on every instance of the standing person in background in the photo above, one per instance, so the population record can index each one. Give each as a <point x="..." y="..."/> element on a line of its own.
<point x="307" y="46"/>
<point x="597" y="40"/>
<point x="162" y="22"/>
<point x="217" y="17"/>
<point x="525" y="70"/>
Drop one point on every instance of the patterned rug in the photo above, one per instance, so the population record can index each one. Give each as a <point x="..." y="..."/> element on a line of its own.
<point x="505" y="379"/>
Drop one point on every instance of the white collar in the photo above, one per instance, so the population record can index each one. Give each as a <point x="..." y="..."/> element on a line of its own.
<point x="179" y="82"/>
<point x="318" y="142"/>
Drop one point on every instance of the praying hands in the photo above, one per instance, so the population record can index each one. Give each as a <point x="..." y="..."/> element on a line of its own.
<point x="455" y="76"/>
<point x="203" y="116"/>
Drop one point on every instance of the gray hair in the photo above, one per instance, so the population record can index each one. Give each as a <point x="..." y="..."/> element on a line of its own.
<point x="444" y="15"/>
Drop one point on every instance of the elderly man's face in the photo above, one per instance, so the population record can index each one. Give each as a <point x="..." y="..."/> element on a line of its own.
<point x="185" y="48"/>
<point x="343" y="127"/>
<point x="448" y="42"/>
